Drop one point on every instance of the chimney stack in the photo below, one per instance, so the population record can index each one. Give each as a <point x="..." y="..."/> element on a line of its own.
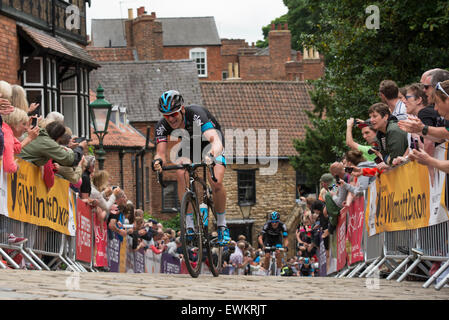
<point x="279" y="42"/>
<point x="141" y="11"/>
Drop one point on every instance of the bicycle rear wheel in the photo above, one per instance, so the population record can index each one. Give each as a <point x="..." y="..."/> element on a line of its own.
<point x="192" y="244"/>
<point x="214" y="250"/>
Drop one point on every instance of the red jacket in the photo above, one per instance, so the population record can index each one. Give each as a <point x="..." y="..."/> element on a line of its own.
<point x="12" y="146"/>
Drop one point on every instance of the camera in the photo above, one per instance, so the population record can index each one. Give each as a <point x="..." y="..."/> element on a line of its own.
<point x="378" y="160"/>
<point x="114" y="187"/>
<point x="337" y="179"/>
<point x="349" y="169"/>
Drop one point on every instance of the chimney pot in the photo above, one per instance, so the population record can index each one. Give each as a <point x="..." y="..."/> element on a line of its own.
<point x="286" y="26"/>
<point x="272" y="26"/>
<point x="153" y="14"/>
<point x="140" y="11"/>
<point x="130" y="14"/>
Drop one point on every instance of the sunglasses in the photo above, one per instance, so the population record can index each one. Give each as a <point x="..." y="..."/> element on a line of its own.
<point x="168" y="116"/>
<point x="426" y="86"/>
<point x="439" y="87"/>
<point x="408" y="97"/>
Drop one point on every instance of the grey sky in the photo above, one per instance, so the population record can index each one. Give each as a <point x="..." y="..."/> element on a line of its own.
<point x="235" y="19"/>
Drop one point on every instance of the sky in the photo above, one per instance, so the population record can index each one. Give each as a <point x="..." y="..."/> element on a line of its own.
<point x="235" y="19"/>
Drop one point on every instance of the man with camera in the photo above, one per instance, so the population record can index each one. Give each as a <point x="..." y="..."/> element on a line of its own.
<point x="368" y="133"/>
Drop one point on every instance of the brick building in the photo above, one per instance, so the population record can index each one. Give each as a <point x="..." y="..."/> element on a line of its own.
<point x="40" y="52"/>
<point x="149" y="38"/>
<point x="276" y="62"/>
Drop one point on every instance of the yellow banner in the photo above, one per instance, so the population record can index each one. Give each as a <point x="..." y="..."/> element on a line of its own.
<point x="401" y="200"/>
<point x="30" y="201"/>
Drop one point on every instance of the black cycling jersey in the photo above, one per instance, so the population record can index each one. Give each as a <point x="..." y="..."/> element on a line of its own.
<point x="195" y="116"/>
<point x="268" y="230"/>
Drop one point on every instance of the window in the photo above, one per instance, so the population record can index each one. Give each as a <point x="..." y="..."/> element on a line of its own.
<point x="246" y="182"/>
<point x="199" y="55"/>
<point x="69" y="110"/>
<point x="170" y="202"/>
<point x="224" y="75"/>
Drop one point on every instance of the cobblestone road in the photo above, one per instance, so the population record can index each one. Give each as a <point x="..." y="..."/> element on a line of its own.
<point x="18" y="284"/>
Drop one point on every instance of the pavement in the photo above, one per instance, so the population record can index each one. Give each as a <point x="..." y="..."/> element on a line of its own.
<point x="60" y="285"/>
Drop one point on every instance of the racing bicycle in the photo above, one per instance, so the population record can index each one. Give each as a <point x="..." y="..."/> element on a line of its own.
<point x="201" y="241"/>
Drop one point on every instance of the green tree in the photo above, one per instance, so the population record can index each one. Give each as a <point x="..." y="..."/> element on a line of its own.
<point x="301" y="20"/>
<point x="413" y="37"/>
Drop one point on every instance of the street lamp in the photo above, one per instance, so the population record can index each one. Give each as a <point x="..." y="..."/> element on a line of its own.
<point x="246" y="211"/>
<point x="100" y="112"/>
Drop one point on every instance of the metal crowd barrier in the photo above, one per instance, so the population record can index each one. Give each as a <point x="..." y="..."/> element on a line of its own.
<point x="404" y="251"/>
<point x="42" y="241"/>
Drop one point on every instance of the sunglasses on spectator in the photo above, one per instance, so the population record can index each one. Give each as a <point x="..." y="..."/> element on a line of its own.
<point x="439" y="87"/>
<point x="408" y="97"/>
<point x="426" y="86"/>
<point x="168" y="116"/>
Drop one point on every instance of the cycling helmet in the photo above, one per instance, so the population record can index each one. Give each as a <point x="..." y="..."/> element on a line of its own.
<point x="275" y="216"/>
<point x="170" y="102"/>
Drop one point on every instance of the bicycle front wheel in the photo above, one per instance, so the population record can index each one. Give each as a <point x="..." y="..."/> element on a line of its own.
<point x="191" y="235"/>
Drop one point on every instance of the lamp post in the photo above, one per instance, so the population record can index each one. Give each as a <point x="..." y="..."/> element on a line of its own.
<point x="100" y="112"/>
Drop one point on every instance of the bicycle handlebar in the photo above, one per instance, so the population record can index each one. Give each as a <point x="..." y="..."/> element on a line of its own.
<point x="190" y="167"/>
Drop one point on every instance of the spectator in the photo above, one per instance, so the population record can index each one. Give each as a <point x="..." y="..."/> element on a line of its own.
<point x="46" y="147"/>
<point x="19" y="100"/>
<point x="172" y="248"/>
<point x="5" y="109"/>
<point x="100" y="184"/>
<point x="402" y="93"/>
<point x="355" y="158"/>
<point x="388" y="91"/>
<point x="441" y="97"/>
<point x="327" y="182"/>
<point x="391" y="140"/>
<point x="51" y="117"/>
<point x="436" y="132"/>
<point x="14" y="126"/>
<point x="368" y="133"/>
<point x="227" y="252"/>
<point x="86" y="187"/>
<point x="335" y="198"/>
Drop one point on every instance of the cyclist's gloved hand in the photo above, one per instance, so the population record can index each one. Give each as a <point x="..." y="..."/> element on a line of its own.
<point x="209" y="159"/>
<point x="156" y="165"/>
<point x="279" y="246"/>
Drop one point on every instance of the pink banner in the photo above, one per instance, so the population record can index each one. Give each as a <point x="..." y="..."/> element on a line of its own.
<point x="83" y="232"/>
<point x="354" y="233"/>
<point x="341" y="239"/>
<point x="101" y="242"/>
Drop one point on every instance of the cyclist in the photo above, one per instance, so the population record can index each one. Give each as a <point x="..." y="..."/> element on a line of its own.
<point x="274" y="234"/>
<point x="201" y="139"/>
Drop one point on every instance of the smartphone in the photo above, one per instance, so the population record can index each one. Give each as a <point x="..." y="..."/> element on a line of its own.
<point x="349" y="169"/>
<point x="80" y="139"/>
<point x="33" y="122"/>
<point x="378" y="160"/>
<point x="416" y="144"/>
